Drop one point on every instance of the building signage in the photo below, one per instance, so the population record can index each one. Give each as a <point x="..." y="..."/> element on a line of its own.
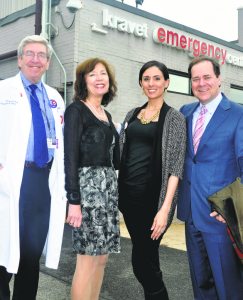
<point x="121" y="24"/>
<point x="194" y="46"/>
<point x="171" y="38"/>
<point x="234" y="60"/>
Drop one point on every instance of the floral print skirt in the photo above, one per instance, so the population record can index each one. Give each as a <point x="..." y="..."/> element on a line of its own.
<point x="99" y="232"/>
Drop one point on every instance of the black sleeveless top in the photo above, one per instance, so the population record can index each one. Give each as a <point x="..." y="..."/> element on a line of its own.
<point x="140" y="139"/>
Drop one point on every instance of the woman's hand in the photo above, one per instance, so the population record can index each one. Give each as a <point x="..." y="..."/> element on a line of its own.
<point x="161" y="218"/>
<point x="74" y="217"/>
<point x="159" y="224"/>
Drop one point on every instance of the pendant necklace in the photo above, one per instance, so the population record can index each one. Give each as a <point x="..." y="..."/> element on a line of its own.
<point x="100" y="114"/>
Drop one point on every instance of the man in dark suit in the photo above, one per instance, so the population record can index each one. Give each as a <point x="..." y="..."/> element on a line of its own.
<point x="214" y="159"/>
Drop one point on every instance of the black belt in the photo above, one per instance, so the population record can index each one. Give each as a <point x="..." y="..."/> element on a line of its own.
<point x="32" y="165"/>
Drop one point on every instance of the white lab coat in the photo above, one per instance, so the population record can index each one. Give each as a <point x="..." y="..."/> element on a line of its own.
<point x="15" y="124"/>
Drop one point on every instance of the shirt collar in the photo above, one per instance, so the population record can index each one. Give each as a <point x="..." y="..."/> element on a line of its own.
<point x="27" y="83"/>
<point x="212" y="105"/>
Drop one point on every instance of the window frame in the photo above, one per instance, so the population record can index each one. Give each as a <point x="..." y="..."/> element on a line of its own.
<point x="239" y="88"/>
<point x="183" y="75"/>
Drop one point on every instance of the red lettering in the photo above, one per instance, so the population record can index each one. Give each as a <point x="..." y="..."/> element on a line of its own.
<point x="189" y="43"/>
<point x="183" y="42"/>
<point x="217" y="53"/>
<point x="194" y="46"/>
<point x="161" y="35"/>
<point x="211" y="50"/>
<point x="204" y="48"/>
<point x="172" y="36"/>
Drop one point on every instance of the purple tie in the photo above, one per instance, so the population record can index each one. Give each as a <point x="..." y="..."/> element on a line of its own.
<point x="199" y="128"/>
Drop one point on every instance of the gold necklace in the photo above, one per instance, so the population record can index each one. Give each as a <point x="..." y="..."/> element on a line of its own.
<point x="145" y="121"/>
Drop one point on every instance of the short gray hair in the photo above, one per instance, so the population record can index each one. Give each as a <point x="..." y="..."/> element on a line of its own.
<point x="30" y="39"/>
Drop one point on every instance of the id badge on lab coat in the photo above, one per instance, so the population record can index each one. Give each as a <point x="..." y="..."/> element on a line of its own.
<point x="52" y="143"/>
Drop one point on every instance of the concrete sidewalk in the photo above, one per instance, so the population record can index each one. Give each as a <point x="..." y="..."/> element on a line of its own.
<point x="119" y="282"/>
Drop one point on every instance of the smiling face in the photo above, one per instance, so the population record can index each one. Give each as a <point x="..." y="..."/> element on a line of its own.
<point x="153" y="83"/>
<point x="205" y="84"/>
<point x="97" y="81"/>
<point x="34" y="61"/>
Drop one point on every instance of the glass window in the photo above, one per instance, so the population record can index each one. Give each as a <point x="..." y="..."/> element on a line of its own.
<point x="179" y="82"/>
<point x="236" y="93"/>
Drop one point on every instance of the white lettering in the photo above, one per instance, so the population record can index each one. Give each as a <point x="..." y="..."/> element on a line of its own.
<point x="141" y="30"/>
<point x="107" y="19"/>
<point x="121" y="24"/>
<point x="234" y="60"/>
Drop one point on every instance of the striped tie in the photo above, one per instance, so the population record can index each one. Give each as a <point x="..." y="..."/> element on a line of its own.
<point x="199" y="128"/>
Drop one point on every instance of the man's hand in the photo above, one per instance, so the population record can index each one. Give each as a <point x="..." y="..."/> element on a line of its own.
<point x="218" y="217"/>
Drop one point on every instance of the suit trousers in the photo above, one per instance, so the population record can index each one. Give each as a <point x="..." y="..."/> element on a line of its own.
<point x="34" y="214"/>
<point x="145" y="251"/>
<point x="215" y="269"/>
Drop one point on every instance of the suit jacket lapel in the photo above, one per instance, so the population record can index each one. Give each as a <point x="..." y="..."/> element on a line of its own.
<point x="217" y="119"/>
<point x="189" y="118"/>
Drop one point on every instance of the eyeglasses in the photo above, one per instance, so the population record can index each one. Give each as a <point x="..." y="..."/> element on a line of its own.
<point x="32" y="54"/>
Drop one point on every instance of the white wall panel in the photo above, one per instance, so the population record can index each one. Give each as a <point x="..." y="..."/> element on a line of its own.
<point x="8" y="7"/>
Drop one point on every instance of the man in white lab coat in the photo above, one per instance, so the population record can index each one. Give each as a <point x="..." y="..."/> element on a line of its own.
<point x="32" y="195"/>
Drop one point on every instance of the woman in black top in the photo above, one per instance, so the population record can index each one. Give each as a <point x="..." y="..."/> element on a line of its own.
<point x="152" y="143"/>
<point x="91" y="154"/>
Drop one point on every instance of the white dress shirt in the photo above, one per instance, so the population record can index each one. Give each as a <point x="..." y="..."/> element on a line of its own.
<point x="211" y="107"/>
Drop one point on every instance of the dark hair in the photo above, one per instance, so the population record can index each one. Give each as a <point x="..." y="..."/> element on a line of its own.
<point x="153" y="63"/>
<point x="80" y="86"/>
<point x="201" y="58"/>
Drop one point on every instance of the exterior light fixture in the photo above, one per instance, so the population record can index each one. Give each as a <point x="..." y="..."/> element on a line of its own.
<point x="74" y="5"/>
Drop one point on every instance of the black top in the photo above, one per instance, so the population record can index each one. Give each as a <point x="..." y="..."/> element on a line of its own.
<point x="139" y="141"/>
<point x="87" y="142"/>
<point x="148" y="192"/>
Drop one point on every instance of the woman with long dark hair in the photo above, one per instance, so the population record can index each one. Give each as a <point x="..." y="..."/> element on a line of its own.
<point x="152" y="143"/>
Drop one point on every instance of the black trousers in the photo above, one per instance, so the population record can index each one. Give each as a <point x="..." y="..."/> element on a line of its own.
<point x="34" y="214"/>
<point x="145" y="251"/>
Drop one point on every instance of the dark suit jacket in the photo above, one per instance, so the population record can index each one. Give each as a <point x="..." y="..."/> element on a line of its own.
<point x="219" y="160"/>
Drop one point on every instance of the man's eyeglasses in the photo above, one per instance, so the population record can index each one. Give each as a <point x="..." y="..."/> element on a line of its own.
<point x="32" y="54"/>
